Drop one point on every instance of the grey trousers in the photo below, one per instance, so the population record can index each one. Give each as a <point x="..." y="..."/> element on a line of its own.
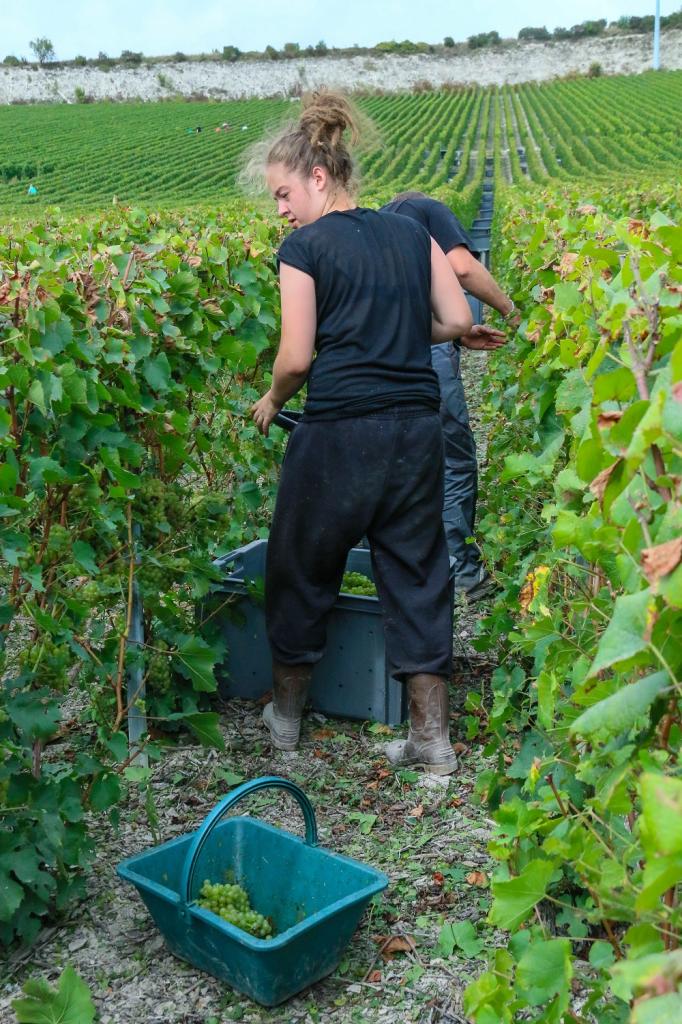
<point x="461" y="467"/>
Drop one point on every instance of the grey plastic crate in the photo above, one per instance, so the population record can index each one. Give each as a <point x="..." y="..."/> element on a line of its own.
<point x="351" y="680"/>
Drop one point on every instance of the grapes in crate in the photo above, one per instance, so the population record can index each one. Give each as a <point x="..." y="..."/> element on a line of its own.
<point x="358" y="583"/>
<point x="231" y="903"/>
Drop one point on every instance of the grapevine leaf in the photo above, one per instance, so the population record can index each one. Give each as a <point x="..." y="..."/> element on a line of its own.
<point x="69" y="1003"/>
<point x="660" y="1010"/>
<point x="545" y="970"/>
<point x="11" y="895"/>
<point x="105" y="791"/>
<point x="620" y="711"/>
<point x="513" y="899"/>
<point x="85" y="556"/>
<point x="662" y="809"/>
<point x="195" y="659"/>
<point x="157" y="372"/>
<point x="625" y="634"/>
<point x="35" y="713"/>
<point x="205" y="726"/>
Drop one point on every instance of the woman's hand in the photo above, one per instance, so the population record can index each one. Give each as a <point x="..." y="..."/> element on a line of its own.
<point x="483" y="338"/>
<point x="264" y="412"/>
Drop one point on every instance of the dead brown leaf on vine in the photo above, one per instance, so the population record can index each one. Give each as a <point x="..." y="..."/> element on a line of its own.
<point x="608" y="417"/>
<point x="600" y="482"/>
<point x="661" y="559"/>
<point x="567" y="263"/>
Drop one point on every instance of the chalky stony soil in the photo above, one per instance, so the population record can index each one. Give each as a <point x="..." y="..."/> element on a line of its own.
<point x="427" y="833"/>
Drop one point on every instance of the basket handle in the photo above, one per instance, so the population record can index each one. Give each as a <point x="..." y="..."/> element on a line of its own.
<point x="229" y="801"/>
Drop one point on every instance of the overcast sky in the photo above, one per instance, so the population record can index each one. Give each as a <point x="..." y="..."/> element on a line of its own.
<point x="159" y="27"/>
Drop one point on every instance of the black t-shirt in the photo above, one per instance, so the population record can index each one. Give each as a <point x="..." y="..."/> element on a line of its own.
<point x="372" y="276"/>
<point x="438" y="219"/>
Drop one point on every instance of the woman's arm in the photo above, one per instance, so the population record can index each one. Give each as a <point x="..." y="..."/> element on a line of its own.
<point x="478" y="280"/>
<point x="451" y="314"/>
<point x="296" y="347"/>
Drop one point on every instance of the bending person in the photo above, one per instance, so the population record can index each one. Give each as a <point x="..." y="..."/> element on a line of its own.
<point x="461" y="466"/>
<point x="366" y="294"/>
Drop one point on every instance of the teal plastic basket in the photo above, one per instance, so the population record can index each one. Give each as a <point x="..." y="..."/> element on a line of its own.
<point x="313" y="897"/>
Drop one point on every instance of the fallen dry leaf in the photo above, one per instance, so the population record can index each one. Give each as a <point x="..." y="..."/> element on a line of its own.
<point x="477" y="878"/>
<point x="323" y="734"/>
<point x="392" y="944"/>
<point x="416" y="812"/>
<point x="374" y="977"/>
<point x="660" y="560"/>
<point x="460" y="748"/>
<point x="438" y="878"/>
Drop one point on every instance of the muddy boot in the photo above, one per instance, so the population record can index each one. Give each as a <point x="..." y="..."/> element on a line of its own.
<point x="428" y="743"/>
<point x="283" y="714"/>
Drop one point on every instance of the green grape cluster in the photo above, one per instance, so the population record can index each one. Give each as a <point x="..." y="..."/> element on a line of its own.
<point x="156" y="502"/>
<point x="158" y="668"/>
<point x="59" y="539"/>
<point x="175" y="507"/>
<point x="232" y="904"/>
<point x="48" y="661"/>
<point x="156" y="579"/>
<point x="357" y="583"/>
<point x="104" y="591"/>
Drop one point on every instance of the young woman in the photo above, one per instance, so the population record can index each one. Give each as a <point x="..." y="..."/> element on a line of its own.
<point x="363" y="295"/>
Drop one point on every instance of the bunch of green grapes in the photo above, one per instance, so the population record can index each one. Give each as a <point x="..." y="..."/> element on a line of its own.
<point x="158" y="668"/>
<point x="155" y="579"/>
<point x="232" y="904"/>
<point x="175" y="507"/>
<point x="148" y="508"/>
<point x="358" y="583"/>
<point x="157" y="502"/>
<point x="103" y="591"/>
<point x="48" y="661"/>
<point x="58" y="540"/>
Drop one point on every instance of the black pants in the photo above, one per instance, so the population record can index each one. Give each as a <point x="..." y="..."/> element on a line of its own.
<point x="379" y="475"/>
<point x="461" y="467"/>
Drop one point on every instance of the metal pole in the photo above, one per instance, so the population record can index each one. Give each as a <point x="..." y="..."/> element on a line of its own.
<point x="137" y="718"/>
<point x="657" y="37"/>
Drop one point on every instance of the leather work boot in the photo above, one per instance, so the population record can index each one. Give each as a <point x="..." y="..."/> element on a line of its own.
<point x="283" y="714"/>
<point x="428" y="742"/>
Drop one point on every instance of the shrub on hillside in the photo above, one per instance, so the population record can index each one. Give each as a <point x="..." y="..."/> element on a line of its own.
<point x="131" y="57"/>
<point x="80" y="61"/>
<point x="482" y="39"/>
<point x="595" y="70"/>
<point x="449" y="42"/>
<point x="11" y="60"/>
<point x="231" y="53"/>
<point x="539" y="34"/>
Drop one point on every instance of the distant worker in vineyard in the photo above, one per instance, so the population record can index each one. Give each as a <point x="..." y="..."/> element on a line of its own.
<point x="366" y="294"/>
<point x="461" y="468"/>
